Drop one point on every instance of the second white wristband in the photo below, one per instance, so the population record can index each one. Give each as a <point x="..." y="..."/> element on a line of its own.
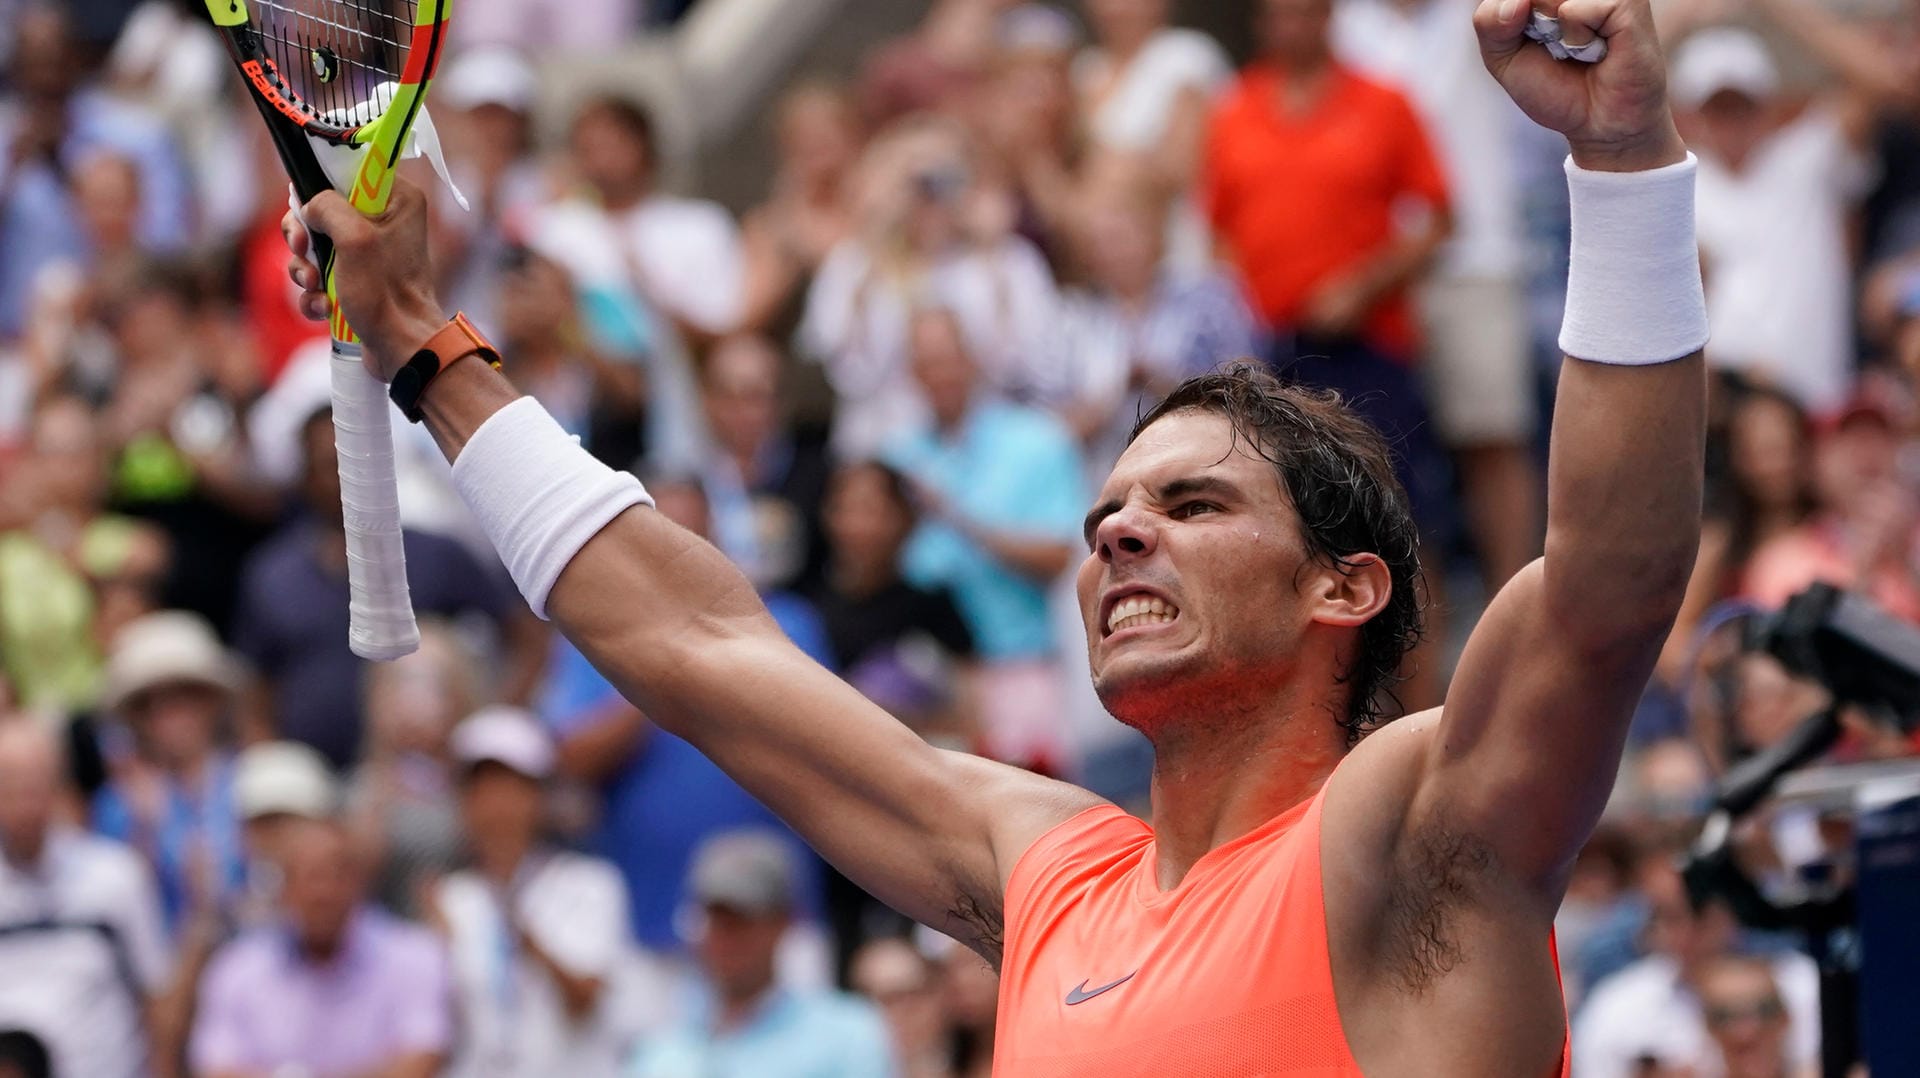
<point x="1634" y="294"/>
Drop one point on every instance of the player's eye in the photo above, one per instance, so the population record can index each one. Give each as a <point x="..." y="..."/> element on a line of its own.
<point x="1192" y="509"/>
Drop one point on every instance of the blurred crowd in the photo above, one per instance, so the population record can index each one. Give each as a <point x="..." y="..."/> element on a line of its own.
<point x="886" y="390"/>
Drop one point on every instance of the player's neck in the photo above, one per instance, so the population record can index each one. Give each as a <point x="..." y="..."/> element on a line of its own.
<point x="1215" y="783"/>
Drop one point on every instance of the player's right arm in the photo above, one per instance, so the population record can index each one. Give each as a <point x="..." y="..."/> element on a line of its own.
<point x="684" y="636"/>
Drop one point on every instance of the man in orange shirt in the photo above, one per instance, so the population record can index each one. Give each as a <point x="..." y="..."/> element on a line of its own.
<point x="1311" y="171"/>
<point x="1304" y="901"/>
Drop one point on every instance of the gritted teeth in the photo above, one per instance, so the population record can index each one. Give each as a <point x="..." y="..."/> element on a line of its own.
<point x="1140" y="610"/>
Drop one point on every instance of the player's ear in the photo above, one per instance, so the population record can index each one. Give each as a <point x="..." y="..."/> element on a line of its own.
<point x="1352" y="591"/>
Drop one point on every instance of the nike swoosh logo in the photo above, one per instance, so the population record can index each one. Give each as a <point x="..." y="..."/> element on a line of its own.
<point x="1081" y="995"/>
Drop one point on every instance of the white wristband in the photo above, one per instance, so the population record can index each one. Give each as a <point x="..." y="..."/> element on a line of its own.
<point x="1634" y="294"/>
<point x="538" y="495"/>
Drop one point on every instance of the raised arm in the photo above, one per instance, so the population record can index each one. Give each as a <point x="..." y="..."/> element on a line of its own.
<point x="1530" y="739"/>
<point x="684" y="636"/>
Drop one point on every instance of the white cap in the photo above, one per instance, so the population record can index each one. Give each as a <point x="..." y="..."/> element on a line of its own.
<point x="494" y="75"/>
<point x="509" y="736"/>
<point x="282" y="777"/>
<point x="169" y="647"/>
<point x="1721" y="59"/>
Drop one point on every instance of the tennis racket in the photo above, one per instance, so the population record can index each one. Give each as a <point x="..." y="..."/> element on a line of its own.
<point x="350" y="73"/>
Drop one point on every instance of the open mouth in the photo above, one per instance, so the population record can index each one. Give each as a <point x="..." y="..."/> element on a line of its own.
<point x="1139" y="610"/>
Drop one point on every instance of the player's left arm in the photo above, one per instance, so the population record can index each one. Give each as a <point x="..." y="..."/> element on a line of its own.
<point x="1527" y="747"/>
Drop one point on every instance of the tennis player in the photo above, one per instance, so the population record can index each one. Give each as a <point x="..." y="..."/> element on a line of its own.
<point x="1303" y="901"/>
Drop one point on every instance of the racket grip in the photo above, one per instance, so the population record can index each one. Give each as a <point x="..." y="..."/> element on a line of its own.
<point x="380" y="608"/>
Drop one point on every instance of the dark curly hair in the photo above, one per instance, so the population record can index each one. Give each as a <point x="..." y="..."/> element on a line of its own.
<point x="1338" y="472"/>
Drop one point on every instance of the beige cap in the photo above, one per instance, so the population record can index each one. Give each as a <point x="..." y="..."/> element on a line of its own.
<point x="283" y="778"/>
<point x="169" y="647"/>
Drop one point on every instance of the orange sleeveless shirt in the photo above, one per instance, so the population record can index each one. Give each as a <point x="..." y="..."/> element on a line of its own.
<point x="1227" y="975"/>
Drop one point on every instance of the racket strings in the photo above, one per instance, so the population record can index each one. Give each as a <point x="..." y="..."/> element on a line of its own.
<point x="333" y="57"/>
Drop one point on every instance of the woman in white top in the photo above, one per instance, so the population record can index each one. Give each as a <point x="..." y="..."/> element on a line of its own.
<point x="929" y="232"/>
<point x="1144" y="92"/>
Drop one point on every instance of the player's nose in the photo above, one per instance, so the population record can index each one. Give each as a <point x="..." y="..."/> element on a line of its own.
<point x="1127" y="535"/>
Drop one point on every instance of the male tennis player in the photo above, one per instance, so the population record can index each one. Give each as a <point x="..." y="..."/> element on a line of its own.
<point x="1299" y="904"/>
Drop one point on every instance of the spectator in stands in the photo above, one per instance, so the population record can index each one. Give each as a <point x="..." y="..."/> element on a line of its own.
<point x="1144" y="90"/>
<point x="1868" y="530"/>
<point x="1875" y="53"/>
<point x="1001" y="494"/>
<point x="1747" y="1019"/>
<point x="1766" y="491"/>
<point x="73" y="571"/>
<point x="171" y="399"/>
<point x="892" y="973"/>
<point x="400" y="801"/>
<point x="808" y="210"/>
<point x="1142" y="325"/>
<point x="971" y="989"/>
<point x="1653" y="1010"/>
<point x="890" y="637"/>
<point x="277" y="787"/>
<point x="335" y="988"/>
<point x="935" y="67"/>
<point x="747" y="1025"/>
<point x="538" y="934"/>
<point x="683" y="255"/>
<point x="60" y="121"/>
<point x="1778" y="296"/>
<point x="86" y="993"/>
<point x="930" y="232"/>
<point x="596" y="394"/>
<point x="1471" y="308"/>
<point x="1310" y="167"/>
<point x="660" y="798"/>
<point x="488" y="95"/>
<point x="171" y="792"/>
<point x="766" y="480"/>
<point x="1023" y="115"/>
<point x="292" y="618"/>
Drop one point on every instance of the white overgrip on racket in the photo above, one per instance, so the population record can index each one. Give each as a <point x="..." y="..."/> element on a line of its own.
<point x="380" y="606"/>
<point x="381" y="625"/>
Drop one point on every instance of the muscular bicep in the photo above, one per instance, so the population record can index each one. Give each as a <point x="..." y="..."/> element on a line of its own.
<point x="929" y="832"/>
<point x="1530" y="739"/>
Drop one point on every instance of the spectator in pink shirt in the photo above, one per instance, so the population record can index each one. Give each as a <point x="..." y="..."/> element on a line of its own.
<point x="335" y="988"/>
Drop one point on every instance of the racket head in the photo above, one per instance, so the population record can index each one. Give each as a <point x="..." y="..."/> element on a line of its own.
<point x="347" y="72"/>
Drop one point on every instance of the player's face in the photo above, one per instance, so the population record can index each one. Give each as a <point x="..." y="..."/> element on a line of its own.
<point x="1191" y="592"/>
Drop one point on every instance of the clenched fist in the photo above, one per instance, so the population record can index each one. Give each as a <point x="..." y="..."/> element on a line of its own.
<point x="382" y="276"/>
<point x="1615" y="112"/>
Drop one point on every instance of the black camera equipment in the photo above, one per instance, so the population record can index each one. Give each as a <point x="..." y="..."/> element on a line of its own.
<point x="1868" y="660"/>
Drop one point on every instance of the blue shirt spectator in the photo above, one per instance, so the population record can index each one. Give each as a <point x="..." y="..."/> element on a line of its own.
<point x="1005" y="467"/>
<point x="196" y="831"/>
<point x="791" y="1034"/>
<point x="744" y="1023"/>
<point x="37" y="214"/>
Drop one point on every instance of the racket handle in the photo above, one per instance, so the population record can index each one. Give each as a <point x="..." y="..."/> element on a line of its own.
<point x="380" y="609"/>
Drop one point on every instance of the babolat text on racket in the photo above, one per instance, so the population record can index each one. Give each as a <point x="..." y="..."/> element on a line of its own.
<point x="340" y="84"/>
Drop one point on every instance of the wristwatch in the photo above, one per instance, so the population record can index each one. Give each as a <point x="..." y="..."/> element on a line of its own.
<point x="456" y="340"/>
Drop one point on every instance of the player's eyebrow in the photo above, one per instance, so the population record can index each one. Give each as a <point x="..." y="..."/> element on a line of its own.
<point x="1171" y="491"/>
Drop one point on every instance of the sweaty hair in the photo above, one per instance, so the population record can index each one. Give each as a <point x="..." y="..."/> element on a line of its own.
<point x="1338" y="473"/>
